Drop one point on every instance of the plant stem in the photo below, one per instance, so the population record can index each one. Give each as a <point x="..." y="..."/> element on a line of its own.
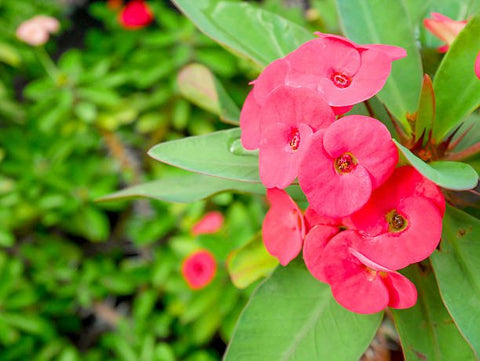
<point x="47" y="63"/>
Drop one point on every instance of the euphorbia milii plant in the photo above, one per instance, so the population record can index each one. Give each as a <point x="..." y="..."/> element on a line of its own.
<point x="369" y="176"/>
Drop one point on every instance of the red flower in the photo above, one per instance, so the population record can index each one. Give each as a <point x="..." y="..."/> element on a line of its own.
<point x="358" y="283"/>
<point x="283" y="227"/>
<point x="288" y="120"/>
<point x="199" y="269"/>
<point x="348" y="160"/>
<point x="135" y="15"/>
<point x="444" y="28"/>
<point x="210" y="223"/>
<point x="402" y="221"/>
<point x="345" y="73"/>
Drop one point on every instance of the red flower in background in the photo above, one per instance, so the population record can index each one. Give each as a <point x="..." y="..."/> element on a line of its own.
<point x="199" y="269"/>
<point x="210" y="223"/>
<point x="283" y="227"/>
<point x="444" y="28"/>
<point x="135" y="15"/>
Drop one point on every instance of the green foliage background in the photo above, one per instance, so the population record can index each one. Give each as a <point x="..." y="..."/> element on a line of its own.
<point x="82" y="280"/>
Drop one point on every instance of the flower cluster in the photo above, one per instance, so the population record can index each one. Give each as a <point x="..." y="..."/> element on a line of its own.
<point x="366" y="219"/>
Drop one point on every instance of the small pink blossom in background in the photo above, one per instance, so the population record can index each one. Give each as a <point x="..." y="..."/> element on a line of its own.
<point x="358" y="283"/>
<point x="211" y="222"/>
<point x="135" y="15"/>
<point x="345" y="163"/>
<point x="283" y="227"/>
<point x="199" y="269"/>
<point x="36" y="31"/>
<point x="444" y="28"/>
<point x="477" y="66"/>
<point x="288" y="120"/>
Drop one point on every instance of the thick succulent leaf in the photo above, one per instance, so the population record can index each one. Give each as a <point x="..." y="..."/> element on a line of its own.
<point x="250" y="31"/>
<point x="426" y="110"/>
<point x="457" y="268"/>
<point x="217" y="154"/>
<point x="386" y="22"/>
<point x="457" y="89"/>
<point x="446" y="174"/>
<point x="184" y="187"/>
<point x="292" y="316"/>
<point x="427" y="331"/>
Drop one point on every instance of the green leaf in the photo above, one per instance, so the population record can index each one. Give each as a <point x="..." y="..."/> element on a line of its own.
<point x="457" y="268"/>
<point x="292" y="316"/>
<point x="426" y="330"/>
<point x="9" y="55"/>
<point x="416" y="10"/>
<point x="450" y="175"/>
<point x="198" y="84"/>
<point x="250" y="263"/>
<point x="210" y="154"/>
<point x="184" y="187"/>
<point x="385" y="22"/>
<point x="426" y="110"/>
<point x="255" y="33"/>
<point x="457" y="89"/>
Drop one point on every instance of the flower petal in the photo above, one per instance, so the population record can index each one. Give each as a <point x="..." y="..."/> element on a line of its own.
<point x="314" y="246"/>
<point x="278" y="162"/>
<point x="354" y="286"/>
<point x="250" y="123"/>
<point x="283" y="227"/>
<point x="402" y="292"/>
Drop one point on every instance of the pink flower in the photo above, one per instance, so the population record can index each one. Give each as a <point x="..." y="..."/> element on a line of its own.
<point x="345" y="73"/>
<point x="358" y="283"/>
<point x="477" y="66"/>
<point x="210" y="223"/>
<point x="36" y="31"/>
<point x="288" y="120"/>
<point x="444" y="28"/>
<point x="402" y="221"/>
<point x="135" y="15"/>
<point x="320" y="231"/>
<point x="283" y="227"/>
<point x="345" y="162"/>
<point x="199" y="269"/>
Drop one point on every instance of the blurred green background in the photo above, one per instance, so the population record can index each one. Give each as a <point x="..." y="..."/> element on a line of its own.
<point x="83" y="280"/>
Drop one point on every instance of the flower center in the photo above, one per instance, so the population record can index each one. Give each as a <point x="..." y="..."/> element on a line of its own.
<point x="396" y="222"/>
<point x="345" y="163"/>
<point x="341" y="80"/>
<point x="198" y="268"/>
<point x="294" y="142"/>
